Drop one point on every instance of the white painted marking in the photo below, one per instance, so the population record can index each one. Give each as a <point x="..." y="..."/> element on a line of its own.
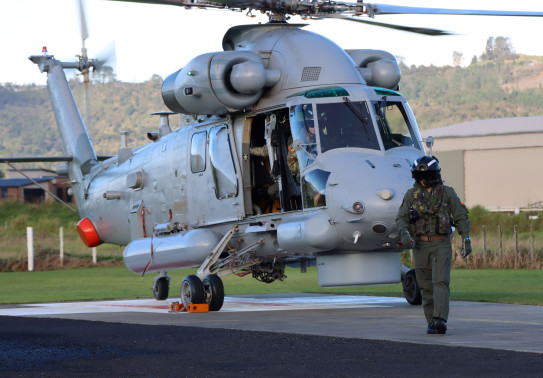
<point x="231" y="304"/>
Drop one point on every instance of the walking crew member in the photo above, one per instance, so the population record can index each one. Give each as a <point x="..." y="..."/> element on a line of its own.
<point x="425" y="218"/>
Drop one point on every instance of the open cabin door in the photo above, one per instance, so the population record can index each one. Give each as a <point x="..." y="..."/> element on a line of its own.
<point x="213" y="179"/>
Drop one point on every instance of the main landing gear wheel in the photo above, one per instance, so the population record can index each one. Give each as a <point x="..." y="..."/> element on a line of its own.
<point x="213" y="292"/>
<point x="161" y="289"/>
<point x="411" y="289"/>
<point x="192" y="291"/>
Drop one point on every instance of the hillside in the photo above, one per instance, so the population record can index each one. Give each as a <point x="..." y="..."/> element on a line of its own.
<point x="439" y="96"/>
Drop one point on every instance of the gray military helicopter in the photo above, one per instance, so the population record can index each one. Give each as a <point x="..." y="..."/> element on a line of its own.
<point x="282" y="157"/>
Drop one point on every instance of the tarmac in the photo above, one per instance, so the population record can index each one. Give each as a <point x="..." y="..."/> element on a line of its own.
<point x="474" y="325"/>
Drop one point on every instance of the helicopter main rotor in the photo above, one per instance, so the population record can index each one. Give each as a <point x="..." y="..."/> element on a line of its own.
<point x="278" y="11"/>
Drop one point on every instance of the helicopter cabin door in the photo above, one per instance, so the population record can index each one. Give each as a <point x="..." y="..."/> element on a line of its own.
<point x="213" y="178"/>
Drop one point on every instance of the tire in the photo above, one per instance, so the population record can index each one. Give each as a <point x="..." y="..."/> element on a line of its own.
<point x="192" y="291"/>
<point x="411" y="289"/>
<point x="214" y="292"/>
<point x="162" y="289"/>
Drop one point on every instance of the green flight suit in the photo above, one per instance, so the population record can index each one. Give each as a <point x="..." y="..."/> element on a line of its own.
<point x="437" y="210"/>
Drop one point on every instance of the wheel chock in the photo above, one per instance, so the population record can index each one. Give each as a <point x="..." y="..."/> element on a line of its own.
<point x="176" y="307"/>
<point x="198" y="307"/>
<point x="194" y="307"/>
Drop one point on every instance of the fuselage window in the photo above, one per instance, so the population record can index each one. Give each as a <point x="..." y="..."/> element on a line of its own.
<point x="346" y="124"/>
<point x="222" y="163"/>
<point x="198" y="152"/>
<point x="394" y="125"/>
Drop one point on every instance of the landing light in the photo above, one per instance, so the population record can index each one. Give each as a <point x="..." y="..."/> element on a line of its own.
<point x="358" y="207"/>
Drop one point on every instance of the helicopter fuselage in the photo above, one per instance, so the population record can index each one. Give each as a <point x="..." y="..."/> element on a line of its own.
<point x="335" y="139"/>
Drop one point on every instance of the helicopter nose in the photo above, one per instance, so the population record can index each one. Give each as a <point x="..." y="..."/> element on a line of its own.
<point x="365" y="204"/>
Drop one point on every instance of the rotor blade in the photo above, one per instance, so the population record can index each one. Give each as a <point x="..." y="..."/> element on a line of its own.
<point x="107" y="57"/>
<point x="411" y="29"/>
<point x="83" y="20"/>
<point x="376" y="9"/>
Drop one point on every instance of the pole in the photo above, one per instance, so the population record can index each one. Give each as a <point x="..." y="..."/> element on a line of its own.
<point x="94" y="255"/>
<point x="500" y="243"/>
<point x="30" y="248"/>
<point x="531" y="244"/>
<point x="484" y="246"/>
<point x="61" y="237"/>
<point x="516" y="246"/>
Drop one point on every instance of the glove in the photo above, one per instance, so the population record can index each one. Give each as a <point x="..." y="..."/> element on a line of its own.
<point x="407" y="240"/>
<point x="466" y="247"/>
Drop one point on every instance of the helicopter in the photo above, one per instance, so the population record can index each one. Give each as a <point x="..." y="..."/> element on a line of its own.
<point x="282" y="157"/>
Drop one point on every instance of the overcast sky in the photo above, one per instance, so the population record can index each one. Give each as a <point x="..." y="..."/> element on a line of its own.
<point x="152" y="39"/>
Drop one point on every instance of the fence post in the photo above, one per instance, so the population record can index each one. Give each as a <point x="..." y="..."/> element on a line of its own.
<point x="531" y="244"/>
<point x="516" y="246"/>
<point x="484" y="246"/>
<point x="61" y="237"/>
<point x="30" y="247"/>
<point x="500" y="243"/>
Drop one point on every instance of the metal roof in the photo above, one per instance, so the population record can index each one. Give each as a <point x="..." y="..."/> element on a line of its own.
<point x="486" y="127"/>
<point x="18" y="182"/>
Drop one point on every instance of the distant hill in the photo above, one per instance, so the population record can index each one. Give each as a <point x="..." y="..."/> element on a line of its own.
<point x="439" y="96"/>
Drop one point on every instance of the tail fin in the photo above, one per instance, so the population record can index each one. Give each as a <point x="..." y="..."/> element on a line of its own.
<point x="75" y="140"/>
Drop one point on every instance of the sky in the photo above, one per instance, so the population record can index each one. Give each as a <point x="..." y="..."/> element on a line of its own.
<point x="158" y="39"/>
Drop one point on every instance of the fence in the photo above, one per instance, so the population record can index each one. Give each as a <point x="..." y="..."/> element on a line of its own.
<point x="494" y="250"/>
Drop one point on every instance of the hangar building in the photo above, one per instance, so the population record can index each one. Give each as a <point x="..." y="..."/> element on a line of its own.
<point x="494" y="163"/>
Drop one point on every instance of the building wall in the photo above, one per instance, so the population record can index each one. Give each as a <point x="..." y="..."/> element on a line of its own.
<point x="498" y="172"/>
<point x="504" y="178"/>
<point x="452" y="170"/>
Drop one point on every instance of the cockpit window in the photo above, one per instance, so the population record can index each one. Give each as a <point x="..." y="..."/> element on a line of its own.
<point x="314" y="188"/>
<point x="346" y="124"/>
<point x="302" y="126"/>
<point x="394" y="125"/>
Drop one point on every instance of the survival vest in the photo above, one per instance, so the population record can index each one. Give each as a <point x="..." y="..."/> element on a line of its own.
<point x="433" y="212"/>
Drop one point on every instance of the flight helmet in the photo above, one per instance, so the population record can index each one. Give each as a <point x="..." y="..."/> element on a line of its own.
<point x="427" y="168"/>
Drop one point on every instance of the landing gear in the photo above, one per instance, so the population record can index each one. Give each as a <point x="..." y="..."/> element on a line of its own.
<point x="213" y="292"/>
<point x="192" y="291"/>
<point x="161" y="287"/>
<point x="411" y="289"/>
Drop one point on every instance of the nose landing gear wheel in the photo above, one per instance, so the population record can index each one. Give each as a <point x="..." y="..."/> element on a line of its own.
<point x="214" y="292"/>
<point x="192" y="291"/>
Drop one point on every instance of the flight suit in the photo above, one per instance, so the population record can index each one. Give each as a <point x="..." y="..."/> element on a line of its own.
<point x="432" y="215"/>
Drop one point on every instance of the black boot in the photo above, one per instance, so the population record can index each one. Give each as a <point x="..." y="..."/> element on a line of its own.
<point x="431" y="329"/>
<point x="440" y="326"/>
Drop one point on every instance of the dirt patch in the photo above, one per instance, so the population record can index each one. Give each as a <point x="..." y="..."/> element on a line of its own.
<point x="46" y="259"/>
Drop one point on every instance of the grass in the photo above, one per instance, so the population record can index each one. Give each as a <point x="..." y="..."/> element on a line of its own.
<point x="482" y="285"/>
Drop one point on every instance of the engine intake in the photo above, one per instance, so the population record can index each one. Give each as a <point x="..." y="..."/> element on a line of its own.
<point x="378" y="68"/>
<point x="216" y="83"/>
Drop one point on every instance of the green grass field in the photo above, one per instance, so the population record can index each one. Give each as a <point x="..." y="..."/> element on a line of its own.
<point x="482" y="285"/>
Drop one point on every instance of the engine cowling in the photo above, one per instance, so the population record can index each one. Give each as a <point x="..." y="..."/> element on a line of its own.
<point x="378" y="68"/>
<point x="216" y="83"/>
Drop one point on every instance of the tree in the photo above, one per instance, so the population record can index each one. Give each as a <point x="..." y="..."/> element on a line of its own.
<point x="499" y="48"/>
<point x="457" y="58"/>
<point x="503" y="48"/>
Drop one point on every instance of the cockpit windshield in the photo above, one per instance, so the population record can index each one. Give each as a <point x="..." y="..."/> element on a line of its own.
<point x="394" y="125"/>
<point x="346" y="124"/>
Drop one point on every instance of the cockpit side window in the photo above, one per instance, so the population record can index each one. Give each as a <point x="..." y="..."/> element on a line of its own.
<point x="302" y="126"/>
<point x="394" y="125"/>
<point x="346" y="124"/>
